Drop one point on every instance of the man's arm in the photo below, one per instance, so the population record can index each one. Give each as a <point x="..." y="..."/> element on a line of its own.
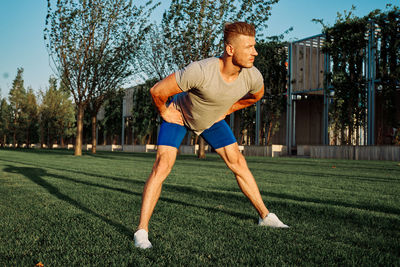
<point x="160" y="93"/>
<point x="247" y="100"/>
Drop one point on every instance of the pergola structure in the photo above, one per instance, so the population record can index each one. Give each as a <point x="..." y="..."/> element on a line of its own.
<point x="307" y="68"/>
<point x="307" y="65"/>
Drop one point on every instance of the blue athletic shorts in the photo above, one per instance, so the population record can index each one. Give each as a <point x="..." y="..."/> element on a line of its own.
<point x="217" y="136"/>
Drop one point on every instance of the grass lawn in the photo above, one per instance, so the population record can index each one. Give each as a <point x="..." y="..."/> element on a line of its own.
<point x="63" y="210"/>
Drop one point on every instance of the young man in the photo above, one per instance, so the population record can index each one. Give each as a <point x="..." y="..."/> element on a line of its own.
<point x="204" y="93"/>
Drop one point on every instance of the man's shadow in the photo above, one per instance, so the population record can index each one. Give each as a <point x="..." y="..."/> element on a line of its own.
<point x="36" y="174"/>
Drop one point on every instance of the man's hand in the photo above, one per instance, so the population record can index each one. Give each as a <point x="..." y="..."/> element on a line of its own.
<point x="172" y="115"/>
<point x="160" y="93"/>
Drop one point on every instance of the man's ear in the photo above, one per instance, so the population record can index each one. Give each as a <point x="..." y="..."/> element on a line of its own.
<point x="229" y="49"/>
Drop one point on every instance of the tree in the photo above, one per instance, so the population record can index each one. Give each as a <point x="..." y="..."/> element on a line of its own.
<point x="94" y="106"/>
<point x="193" y="29"/>
<point x="17" y="96"/>
<point x="388" y="72"/>
<point x="346" y="44"/>
<point x="57" y="114"/>
<point x="5" y="121"/>
<point x="113" y="115"/>
<point x="271" y="61"/>
<point x="153" y="59"/>
<point x="31" y="111"/>
<point x="92" y="44"/>
<point x="144" y="115"/>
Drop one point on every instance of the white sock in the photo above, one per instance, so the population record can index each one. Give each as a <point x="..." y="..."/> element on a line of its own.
<point x="272" y="220"/>
<point x="142" y="239"/>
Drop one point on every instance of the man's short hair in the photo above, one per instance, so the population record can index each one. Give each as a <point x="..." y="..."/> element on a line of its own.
<point x="231" y="30"/>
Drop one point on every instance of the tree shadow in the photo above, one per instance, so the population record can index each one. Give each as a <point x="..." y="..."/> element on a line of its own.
<point x="223" y="194"/>
<point x="36" y="175"/>
<point x="289" y="172"/>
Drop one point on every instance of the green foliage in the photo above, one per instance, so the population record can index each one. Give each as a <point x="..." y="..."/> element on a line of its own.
<point x="271" y="62"/>
<point x="32" y="118"/>
<point x="16" y="98"/>
<point x="92" y="45"/>
<point x="24" y="112"/>
<point x="154" y="60"/>
<point x="388" y="67"/>
<point x="57" y="113"/>
<point x="193" y="29"/>
<point x="346" y="43"/>
<point x="5" y="122"/>
<point x="247" y="125"/>
<point x="144" y="115"/>
<point x="113" y="113"/>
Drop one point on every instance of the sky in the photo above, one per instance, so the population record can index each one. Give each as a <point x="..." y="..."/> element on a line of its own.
<point x="22" y="23"/>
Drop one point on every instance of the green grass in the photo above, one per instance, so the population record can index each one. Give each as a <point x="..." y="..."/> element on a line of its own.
<point x="63" y="210"/>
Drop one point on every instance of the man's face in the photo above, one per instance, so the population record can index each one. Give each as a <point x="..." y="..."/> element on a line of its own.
<point x="244" y="51"/>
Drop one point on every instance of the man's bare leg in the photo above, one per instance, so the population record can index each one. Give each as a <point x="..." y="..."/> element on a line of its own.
<point x="165" y="159"/>
<point x="238" y="165"/>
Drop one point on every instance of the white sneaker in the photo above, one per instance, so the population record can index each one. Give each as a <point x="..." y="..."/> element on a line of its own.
<point x="272" y="220"/>
<point x="142" y="239"/>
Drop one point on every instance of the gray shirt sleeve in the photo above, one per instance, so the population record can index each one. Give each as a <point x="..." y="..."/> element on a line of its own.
<point x="190" y="77"/>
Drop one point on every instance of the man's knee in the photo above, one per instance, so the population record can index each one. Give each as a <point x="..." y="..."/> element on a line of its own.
<point x="236" y="161"/>
<point x="165" y="160"/>
<point x="163" y="165"/>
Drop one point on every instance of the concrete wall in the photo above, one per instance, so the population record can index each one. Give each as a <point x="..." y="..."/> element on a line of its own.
<point x="265" y="151"/>
<point x="351" y="152"/>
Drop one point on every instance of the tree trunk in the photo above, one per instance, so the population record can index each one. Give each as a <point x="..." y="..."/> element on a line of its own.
<point x="48" y="138"/>
<point x="79" y="131"/>
<point x="269" y="134"/>
<point x="15" y="137"/>
<point x="27" y="138"/>
<point x="202" y="149"/>
<point x="41" y="136"/>
<point x="94" y="139"/>
<point x="357" y="133"/>
<point x="342" y="136"/>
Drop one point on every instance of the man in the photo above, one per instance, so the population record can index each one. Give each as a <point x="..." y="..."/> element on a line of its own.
<point x="204" y="93"/>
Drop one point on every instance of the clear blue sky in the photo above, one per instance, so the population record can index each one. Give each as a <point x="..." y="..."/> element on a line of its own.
<point x="22" y="23"/>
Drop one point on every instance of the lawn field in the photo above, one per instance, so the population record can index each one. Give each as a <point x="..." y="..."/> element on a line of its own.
<point x="62" y="210"/>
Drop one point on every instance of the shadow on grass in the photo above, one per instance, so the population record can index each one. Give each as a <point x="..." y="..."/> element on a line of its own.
<point x="36" y="174"/>
<point x="69" y="152"/>
<point x="42" y="151"/>
<point x="328" y="174"/>
<point x="213" y="157"/>
<point x="222" y="194"/>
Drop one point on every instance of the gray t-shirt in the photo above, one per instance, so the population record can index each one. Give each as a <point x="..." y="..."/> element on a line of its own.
<point x="207" y="96"/>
